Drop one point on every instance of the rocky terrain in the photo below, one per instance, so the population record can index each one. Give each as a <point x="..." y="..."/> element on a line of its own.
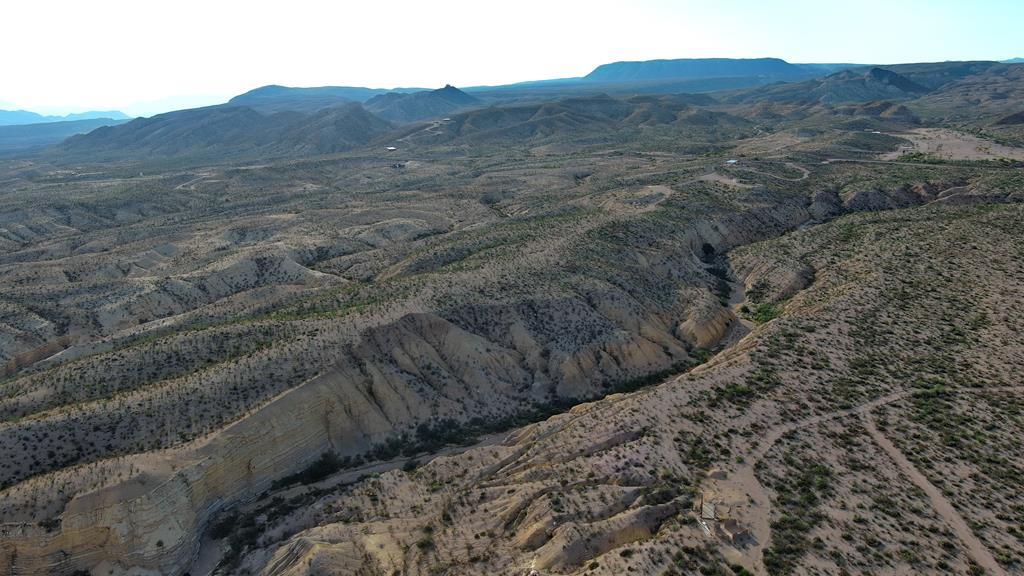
<point x="276" y="360"/>
<point x="812" y="453"/>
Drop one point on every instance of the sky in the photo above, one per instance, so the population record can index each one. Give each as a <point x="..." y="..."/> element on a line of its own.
<point x="149" y="56"/>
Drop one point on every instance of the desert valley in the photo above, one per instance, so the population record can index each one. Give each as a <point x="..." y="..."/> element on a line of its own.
<point x="709" y="316"/>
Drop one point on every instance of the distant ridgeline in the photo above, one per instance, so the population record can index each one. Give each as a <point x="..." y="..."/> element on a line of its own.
<point x="281" y="121"/>
<point x="22" y="131"/>
<point x="17" y="117"/>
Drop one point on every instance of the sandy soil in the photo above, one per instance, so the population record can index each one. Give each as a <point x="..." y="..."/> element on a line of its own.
<point x="947" y="144"/>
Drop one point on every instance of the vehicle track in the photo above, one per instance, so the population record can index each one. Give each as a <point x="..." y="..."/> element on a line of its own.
<point x="922" y="164"/>
<point x="804" y="173"/>
<point x="943" y="507"/>
<point x="743" y="479"/>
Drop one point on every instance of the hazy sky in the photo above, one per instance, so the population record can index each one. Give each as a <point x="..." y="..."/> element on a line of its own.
<point x="146" y="56"/>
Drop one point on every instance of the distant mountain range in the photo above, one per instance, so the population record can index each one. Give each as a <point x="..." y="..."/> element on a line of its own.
<point x="284" y="121"/>
<point x="642" y="77"/>
<point x="226" y="131"/>
<point x="25" y="137"/>
<point x="274" y="121"/>
<point x="17" y="117"/>
<point x="898" y="82"/>
<point x="276" y="98"/>
<point x="1014" y="61"/>
<point x="691" y="76"/>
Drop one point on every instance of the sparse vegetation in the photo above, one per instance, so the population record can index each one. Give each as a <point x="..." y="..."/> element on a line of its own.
<point x="210" y="326"/>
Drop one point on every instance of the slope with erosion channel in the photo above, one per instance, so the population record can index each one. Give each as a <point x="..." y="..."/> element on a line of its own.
<point x="492" y="361"/>
<point x="766" y="435"/>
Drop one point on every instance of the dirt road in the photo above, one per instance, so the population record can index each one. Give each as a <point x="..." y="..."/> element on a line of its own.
<point x="758" y="520"/>
<point x="939" y="503"/>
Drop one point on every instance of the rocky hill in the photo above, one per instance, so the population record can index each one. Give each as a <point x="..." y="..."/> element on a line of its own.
<point x="409" y="107"/>
<point x="219" y="132"/>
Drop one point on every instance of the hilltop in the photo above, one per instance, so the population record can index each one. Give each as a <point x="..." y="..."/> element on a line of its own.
<point x="694" y="68"/>
<point x="270" y="99"/>
<point x="842" y="87"/>
<point x="410" y="107"/>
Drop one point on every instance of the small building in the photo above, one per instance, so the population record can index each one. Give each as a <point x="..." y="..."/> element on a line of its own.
<point x="707" y="510"/>
<point x="391" y="148"/>
<point x="731" y="161"/>
<point x="733" y="531"/>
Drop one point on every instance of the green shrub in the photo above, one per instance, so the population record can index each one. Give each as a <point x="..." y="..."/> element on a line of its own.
<point x="766" y="312"/>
